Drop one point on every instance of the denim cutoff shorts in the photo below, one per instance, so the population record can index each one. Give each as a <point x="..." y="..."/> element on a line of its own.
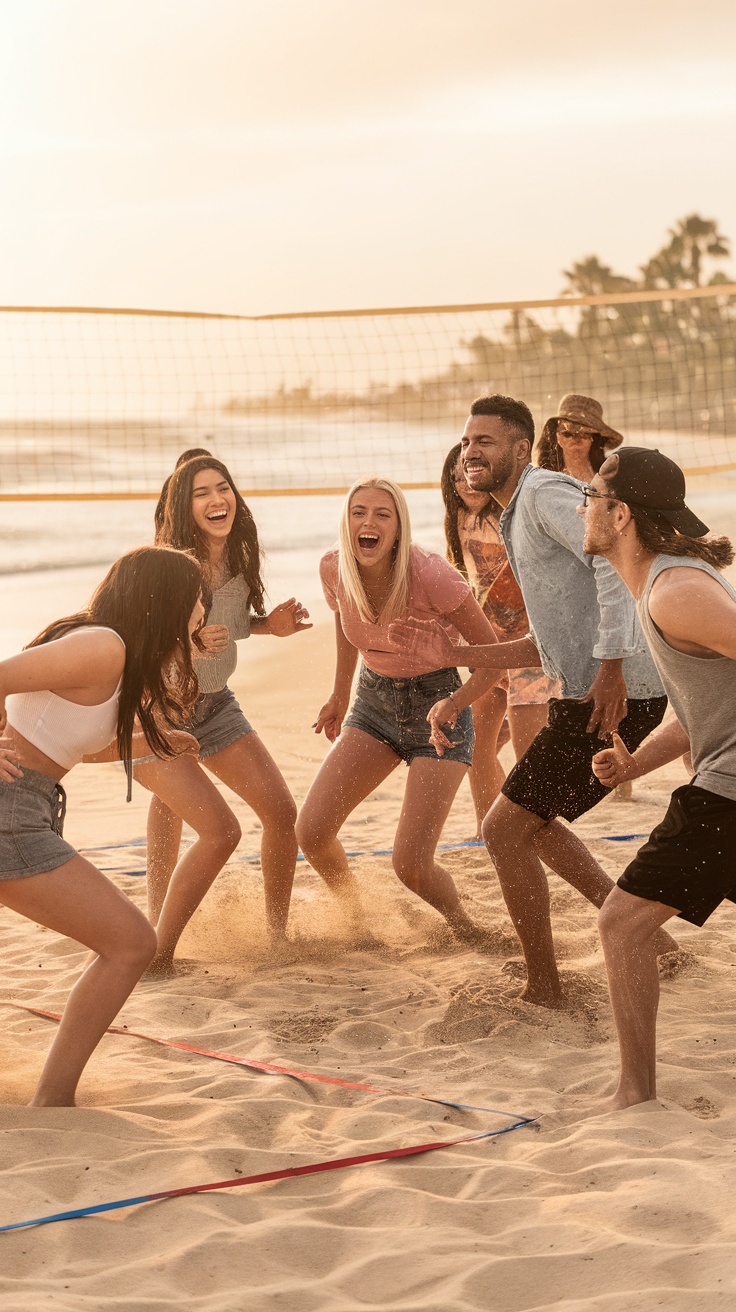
<point x="32" y="811"/>
<point x="395" y="712"/>
<point x="217" y="722"/>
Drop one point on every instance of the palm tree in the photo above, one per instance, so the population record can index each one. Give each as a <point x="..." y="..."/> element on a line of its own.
<point x="680" y="262"/>
<point x="589" y="277"/>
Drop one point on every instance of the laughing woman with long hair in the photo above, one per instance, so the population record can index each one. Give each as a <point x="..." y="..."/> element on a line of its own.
<point x="376" y="575"/>
<point x="205" y="514"/>
<point x="77" y="687"/>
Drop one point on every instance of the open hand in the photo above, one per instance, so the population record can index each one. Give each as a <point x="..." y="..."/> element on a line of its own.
<point x="614" y="765"/>
<point x="424" y="640"/>
<point x="290" y="617"/>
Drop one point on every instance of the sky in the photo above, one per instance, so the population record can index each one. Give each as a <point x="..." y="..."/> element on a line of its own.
<point x="256" y="156"/>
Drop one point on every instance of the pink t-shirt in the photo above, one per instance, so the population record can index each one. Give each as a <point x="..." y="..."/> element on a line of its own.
<point x="435" y="591"/>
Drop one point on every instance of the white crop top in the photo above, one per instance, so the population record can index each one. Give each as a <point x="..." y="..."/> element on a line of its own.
<point x="63" y="730"/>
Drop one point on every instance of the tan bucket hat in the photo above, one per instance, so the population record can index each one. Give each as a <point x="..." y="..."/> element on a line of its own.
<point x="584" y="410"/>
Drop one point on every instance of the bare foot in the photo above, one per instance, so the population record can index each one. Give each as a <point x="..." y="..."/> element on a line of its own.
<point x="544" y="996"/>
<point x="618" y="1102"/>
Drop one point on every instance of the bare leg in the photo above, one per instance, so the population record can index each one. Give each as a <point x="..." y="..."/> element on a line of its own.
<point x="356" y="765"/>
<point x="163" y="839"/>
<point x="628" y="927"/>
<point x="525" y="722"/>
<point x="249" y="769"/>
<point x="563" y="852"/>
<point x="509" y="832"/>
<point x="430" y="792"/>
<point x="486" y="774"/>
<point x="78" y="901"/>
<point x="184" y="789"/>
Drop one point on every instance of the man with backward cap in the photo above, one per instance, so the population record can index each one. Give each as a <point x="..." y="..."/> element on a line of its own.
<point x="636" y="517"/>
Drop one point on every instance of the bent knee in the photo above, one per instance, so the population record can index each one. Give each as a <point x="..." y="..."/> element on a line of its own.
<point x="311" y="834"/>
<point x="139" y="947"/>
<point x="623" y="915"/>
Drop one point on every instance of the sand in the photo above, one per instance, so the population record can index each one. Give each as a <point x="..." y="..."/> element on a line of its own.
<point x="633" y="1210"/>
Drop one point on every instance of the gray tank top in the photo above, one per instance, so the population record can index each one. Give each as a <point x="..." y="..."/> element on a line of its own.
<point x="230" y="606"/>
<point x="702" y="690"/>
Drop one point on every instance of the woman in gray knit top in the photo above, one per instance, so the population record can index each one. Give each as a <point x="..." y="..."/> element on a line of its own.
<point x="204" y="513"/>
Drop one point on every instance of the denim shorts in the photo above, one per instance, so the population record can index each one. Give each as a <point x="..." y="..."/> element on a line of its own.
<point x="217" y="722"/>
<point x="32" y="813"/>
<point x="395" y="712"/>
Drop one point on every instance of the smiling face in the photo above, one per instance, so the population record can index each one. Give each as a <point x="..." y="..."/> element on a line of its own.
<point x="374" y="526"/>
<point x="493" y="456"/>
<point x="213" y="504"/>
<point x="473" y="501"/>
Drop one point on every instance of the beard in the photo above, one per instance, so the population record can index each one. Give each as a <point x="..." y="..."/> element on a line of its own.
<point x="599" y="540"/>
<point x="493" y="476"/>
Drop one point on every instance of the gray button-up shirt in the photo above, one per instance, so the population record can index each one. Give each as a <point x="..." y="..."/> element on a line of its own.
<point x="580" y="611"/>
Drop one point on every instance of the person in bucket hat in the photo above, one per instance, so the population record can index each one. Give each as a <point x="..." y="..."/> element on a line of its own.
<point x="577" y="440"/>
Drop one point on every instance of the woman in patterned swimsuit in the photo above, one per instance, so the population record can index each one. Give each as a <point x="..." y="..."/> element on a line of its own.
<point x="475" y="548"/>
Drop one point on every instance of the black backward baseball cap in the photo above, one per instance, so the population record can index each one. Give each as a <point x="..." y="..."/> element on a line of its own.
<point x="643" y="477"/>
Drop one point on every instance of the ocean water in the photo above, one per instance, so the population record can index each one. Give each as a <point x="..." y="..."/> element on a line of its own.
<point x="52" y="554"/>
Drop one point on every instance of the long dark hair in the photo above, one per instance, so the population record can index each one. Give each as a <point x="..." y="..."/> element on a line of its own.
<point x="659" y="537"/>
<point x="551" y="456"/>
<point x="453" y="505"/>
<point x="147" y="597"/>
<point x="243" y="552"/>
<point x="158" y="514"/>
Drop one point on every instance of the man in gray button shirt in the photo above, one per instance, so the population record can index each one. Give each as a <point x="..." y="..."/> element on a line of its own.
<point x="584" y="632"/>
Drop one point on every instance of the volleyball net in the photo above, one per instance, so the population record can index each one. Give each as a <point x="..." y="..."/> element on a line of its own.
<point x="97" y="404"/>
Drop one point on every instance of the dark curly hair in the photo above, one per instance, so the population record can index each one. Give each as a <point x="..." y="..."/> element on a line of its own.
<point x="515" y="414"/>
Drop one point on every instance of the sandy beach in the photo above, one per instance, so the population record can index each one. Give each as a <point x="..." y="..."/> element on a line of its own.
<point x="633" y="1210"/>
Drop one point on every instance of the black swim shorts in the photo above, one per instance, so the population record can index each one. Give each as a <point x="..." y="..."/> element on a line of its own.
<point x="688" y="860"/>
<point x="555" y="775"/>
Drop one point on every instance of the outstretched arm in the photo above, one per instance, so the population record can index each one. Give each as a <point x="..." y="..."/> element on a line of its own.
<point x="426" y="640"/>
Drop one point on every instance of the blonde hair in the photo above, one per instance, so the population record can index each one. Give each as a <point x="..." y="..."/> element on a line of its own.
<point x="397" y="601"/>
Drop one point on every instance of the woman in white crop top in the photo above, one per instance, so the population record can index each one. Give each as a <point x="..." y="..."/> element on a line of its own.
<point x="204" y="513"/>
<point x="79" y="685"/>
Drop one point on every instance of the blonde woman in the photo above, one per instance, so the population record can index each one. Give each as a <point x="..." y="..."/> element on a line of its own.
<point x="374" y="576"/>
